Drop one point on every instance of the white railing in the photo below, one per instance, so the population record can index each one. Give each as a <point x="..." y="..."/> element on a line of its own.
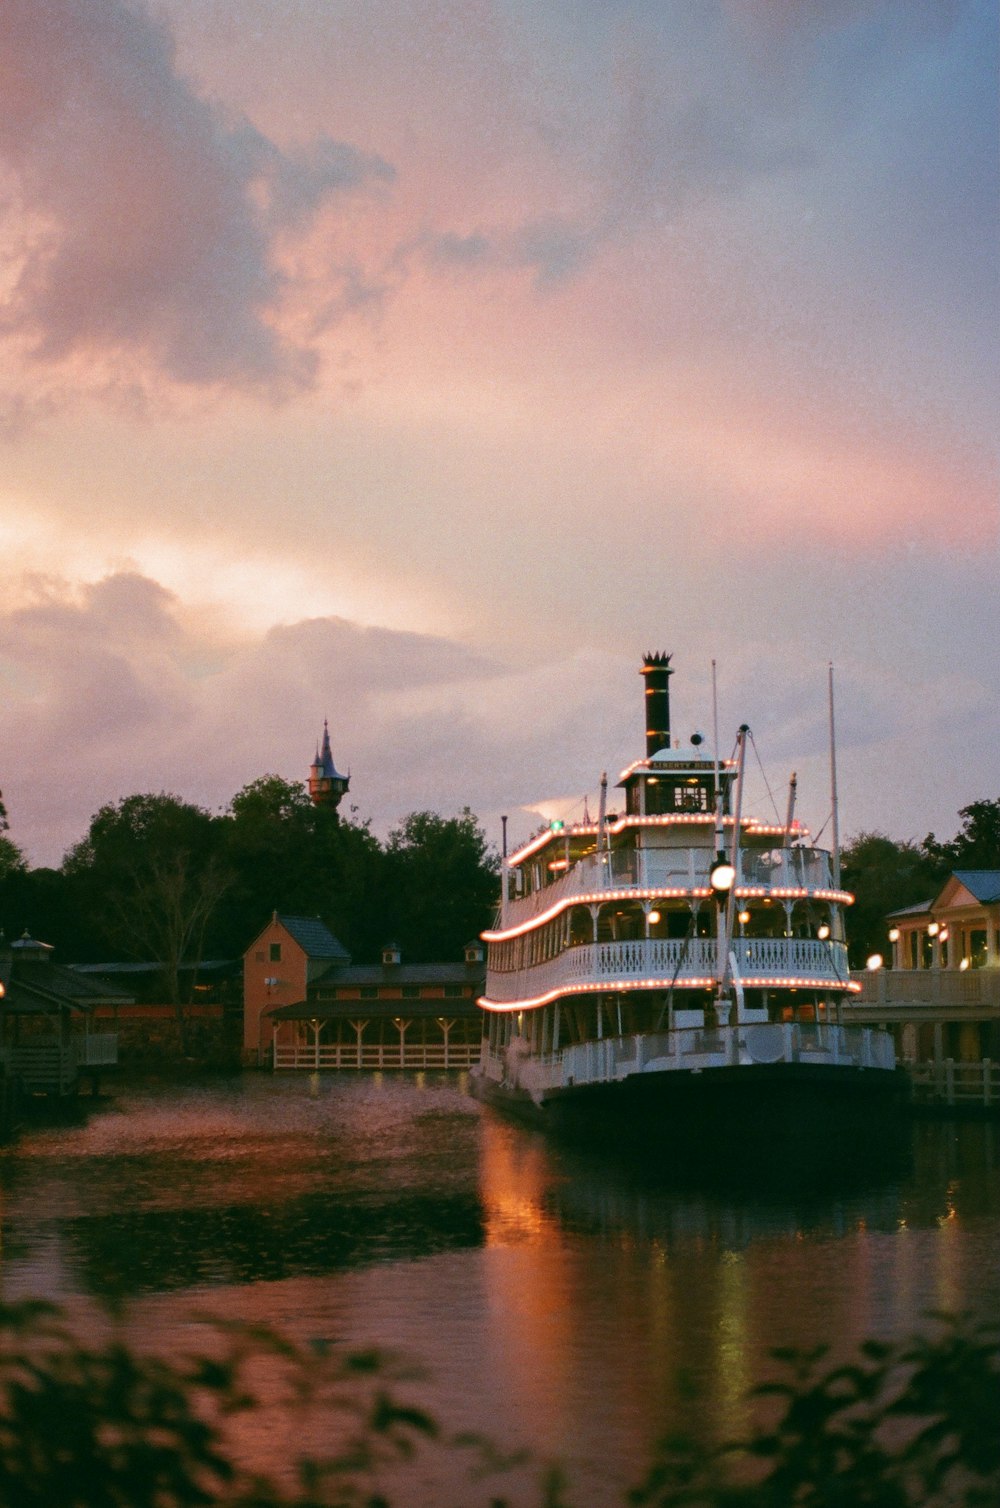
<point x="97" y="1050"/>
<point x="667" y="961"/>
<point x="673" y="868"/>
<point x="45" y="1066"/>
<point x="952" y="1082"/>
<point x="928" y="987"/>
<point x="694" y="1048"/>
<point x="345" y="1055"/>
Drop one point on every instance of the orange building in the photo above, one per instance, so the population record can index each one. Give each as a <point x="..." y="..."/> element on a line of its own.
<point x="278" y="968"/>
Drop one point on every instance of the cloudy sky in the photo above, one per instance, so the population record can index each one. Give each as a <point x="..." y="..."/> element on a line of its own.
<point x="419" y="364"/>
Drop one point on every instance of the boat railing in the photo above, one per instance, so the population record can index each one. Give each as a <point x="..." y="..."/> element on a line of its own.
<point x="661" y="962"/>
<point x="668" y="868"/>
<point x="762" y="1043"/>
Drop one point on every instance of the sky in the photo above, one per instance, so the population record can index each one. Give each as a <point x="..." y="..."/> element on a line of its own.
<point x="420" y="365"/>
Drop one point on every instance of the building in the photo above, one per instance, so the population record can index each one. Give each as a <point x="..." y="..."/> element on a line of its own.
<point x="278" y="968"/>
<point x="317" y="1009"/>
<point x="327" y="787"/>
<point x="45" y="1019"/>
<point x="941" y="992"/>
<point x="959" y="929"/>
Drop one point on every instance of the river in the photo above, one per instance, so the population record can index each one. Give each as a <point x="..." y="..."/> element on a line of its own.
<point x="567" y="1302"/>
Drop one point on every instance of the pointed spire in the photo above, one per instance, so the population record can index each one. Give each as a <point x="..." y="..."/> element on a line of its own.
<point x="326" y="785"/>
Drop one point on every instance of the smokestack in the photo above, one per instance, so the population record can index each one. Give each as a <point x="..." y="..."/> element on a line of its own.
<point x="657" y="672"/>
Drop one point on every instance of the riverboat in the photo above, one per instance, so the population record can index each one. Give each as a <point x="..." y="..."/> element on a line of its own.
<point x="677" y="966"/>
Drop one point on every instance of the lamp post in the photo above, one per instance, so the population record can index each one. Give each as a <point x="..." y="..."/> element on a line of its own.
<point x="722" y="878"/>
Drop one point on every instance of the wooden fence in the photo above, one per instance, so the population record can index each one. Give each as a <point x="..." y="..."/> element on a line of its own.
<point x="376" y="1055"/>
<point x="950" y="1082"/>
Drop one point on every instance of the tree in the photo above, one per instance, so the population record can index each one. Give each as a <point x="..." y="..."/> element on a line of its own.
<point x="441" y="883"/>
<point x="150" y="876"/>
<point x="977" y="844"/>
<point x="288" y="855"/>
<point x="883" y="875"/>
<point x="12" y="860"/>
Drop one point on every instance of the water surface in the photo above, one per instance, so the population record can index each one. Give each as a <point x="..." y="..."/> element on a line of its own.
<point x="572" y="1302"/>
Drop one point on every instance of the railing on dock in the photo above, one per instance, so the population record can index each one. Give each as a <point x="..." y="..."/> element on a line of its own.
<point x="376" y="1055"/>
<point x="952" y="1082"/>
<point x="48" y="1067"/>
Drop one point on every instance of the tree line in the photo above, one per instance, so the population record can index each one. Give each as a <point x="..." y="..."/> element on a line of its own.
<point x="160" y="879"/>
<point x="157" y="878"/>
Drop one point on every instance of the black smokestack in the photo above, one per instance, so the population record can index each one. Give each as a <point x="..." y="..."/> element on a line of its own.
<point x="657" y="672"/>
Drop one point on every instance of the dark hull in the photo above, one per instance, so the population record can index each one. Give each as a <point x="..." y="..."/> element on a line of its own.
<point x="727" y="1111"/>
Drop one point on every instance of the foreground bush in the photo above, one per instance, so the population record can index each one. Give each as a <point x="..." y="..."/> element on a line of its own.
<point x="906" y="1425"/>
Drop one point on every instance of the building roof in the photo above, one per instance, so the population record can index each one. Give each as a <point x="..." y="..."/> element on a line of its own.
<point x="314" y="937"/>
<point x="984" y="884"/>
<point x="44" y="986"/>
<point x="400" y="973"/>
<point x="920" y="909"/>
<point x="324" y="758"/>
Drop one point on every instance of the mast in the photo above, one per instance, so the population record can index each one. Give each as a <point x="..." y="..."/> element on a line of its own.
<point x="718" y="782"/>
<point x="833" y="787"/>
<point x="504" y="873"/>
<point x="790" y="815"/>
<point x="602" y="832"/>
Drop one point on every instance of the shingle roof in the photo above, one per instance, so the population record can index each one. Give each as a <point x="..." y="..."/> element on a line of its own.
<point x="984" y="884"/>
<point x="402" y="973"/>
<point x="315" y="938"/>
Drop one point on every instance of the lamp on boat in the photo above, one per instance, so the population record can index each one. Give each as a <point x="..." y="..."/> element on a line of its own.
<point x="653" y="917"/>
<point x="823" y="932"/>
<point x="744" y="917"/>
<point x="722" y="876"/>
<point x="873" y="962"/>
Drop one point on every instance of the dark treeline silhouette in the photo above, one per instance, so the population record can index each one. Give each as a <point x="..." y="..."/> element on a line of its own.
<point x="159" y="879"/>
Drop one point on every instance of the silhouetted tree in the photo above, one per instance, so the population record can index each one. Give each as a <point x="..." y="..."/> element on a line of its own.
<point x="150" y="875"/>
<point x="976" y="845"/>
<point x="442" y="883"/>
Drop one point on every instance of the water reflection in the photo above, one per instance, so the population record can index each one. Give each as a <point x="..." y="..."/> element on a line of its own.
<point x="581" y="1303"/>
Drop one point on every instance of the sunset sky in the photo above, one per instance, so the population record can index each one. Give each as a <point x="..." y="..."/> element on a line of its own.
<point x="420" y="365"/>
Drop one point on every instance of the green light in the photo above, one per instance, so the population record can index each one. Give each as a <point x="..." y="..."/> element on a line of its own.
<point x="556" y="826"/>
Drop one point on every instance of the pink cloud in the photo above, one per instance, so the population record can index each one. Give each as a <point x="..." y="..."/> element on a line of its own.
<point x="144" y="215"/>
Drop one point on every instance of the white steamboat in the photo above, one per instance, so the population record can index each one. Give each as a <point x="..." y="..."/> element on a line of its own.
<point x="676" y="965"/>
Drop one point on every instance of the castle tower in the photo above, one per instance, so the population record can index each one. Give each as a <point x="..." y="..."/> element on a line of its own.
<point x="326" y="785"/>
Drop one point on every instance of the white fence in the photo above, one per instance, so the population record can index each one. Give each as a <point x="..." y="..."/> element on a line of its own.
<point x="54" y="1067"/>
<point x="657" y="961"/>
<point x="376" y="1055"/>
<point x="951" y="1082"/>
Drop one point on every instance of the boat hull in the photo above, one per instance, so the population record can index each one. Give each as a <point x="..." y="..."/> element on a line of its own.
<point x="731" y="1111"/>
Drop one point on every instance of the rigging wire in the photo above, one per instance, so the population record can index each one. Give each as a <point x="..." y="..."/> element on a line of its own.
<point x="760" y="763"/>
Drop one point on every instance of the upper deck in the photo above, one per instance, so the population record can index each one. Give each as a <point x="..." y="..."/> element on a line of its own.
<point x="647" y="858"/>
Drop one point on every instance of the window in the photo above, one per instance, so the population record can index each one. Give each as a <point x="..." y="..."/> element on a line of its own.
<point x="452" y="990"/>
<point x="275" y="952"/>
<point x="369" y="992"/>
<point x="411" y="992"/>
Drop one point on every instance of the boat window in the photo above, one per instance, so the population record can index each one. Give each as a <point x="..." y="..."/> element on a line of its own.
<point x="690" y="798"/>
